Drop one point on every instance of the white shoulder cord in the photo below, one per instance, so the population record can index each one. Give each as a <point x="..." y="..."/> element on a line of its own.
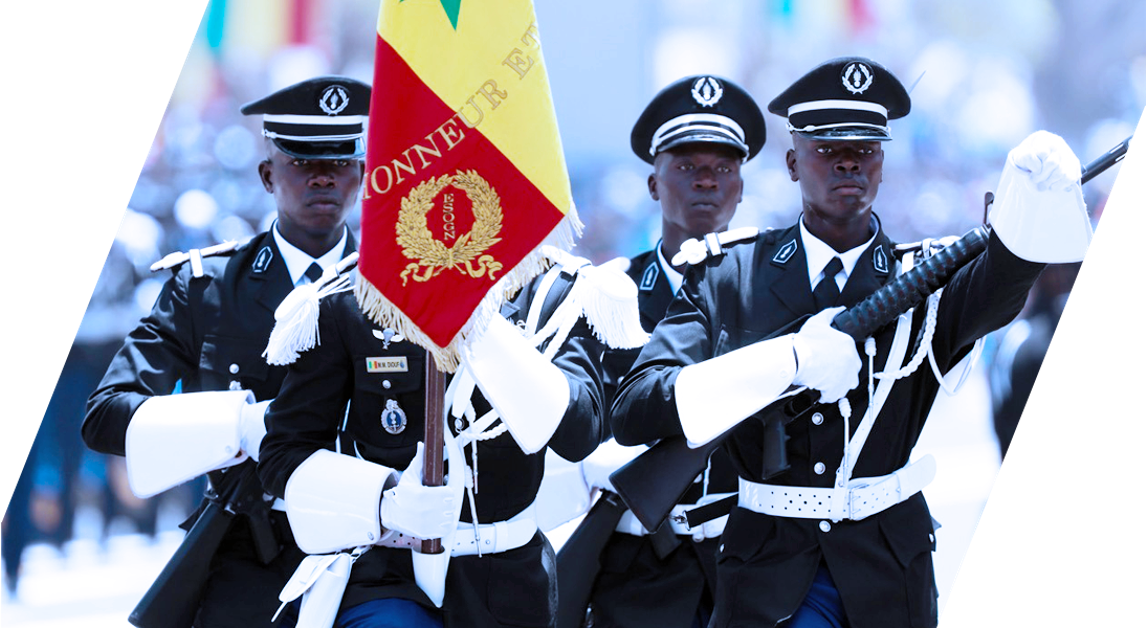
<point x="559" y="326"/>
<point x="877" y="396"/>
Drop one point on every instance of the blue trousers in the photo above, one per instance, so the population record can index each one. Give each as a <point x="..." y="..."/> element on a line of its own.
<point x="389" y="612"/>
<point x="822" y="606"/>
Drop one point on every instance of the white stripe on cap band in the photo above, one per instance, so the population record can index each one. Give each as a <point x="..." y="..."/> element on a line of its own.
<point x="714" y="123"/>
<point x="857" y="105"/>
<point x="302" y="119"/>
<point x="312" y="138"/>
<point x="821" y="127"/>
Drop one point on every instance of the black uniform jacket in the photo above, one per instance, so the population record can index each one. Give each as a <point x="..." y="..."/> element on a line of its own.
<point x="208" y="333"/>
<point x="640" y="583"/>
<point x="882" y="564"/>
<point x="330" y="390"/>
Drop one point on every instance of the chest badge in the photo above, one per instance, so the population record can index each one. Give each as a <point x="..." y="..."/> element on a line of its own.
<point x="388" y="336"/>
<point x="393" y="418"/>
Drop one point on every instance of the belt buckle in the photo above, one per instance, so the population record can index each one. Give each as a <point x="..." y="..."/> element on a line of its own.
<point x="853" y="510"/>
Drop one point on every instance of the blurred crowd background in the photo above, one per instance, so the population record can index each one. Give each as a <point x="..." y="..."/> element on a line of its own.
<point x="983" y="74"/>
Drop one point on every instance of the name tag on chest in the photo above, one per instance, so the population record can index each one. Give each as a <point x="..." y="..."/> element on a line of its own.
<point x="386" y="364"/>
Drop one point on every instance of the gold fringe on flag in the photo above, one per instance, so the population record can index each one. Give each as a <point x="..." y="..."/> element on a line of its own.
<point x="384" y="313"/>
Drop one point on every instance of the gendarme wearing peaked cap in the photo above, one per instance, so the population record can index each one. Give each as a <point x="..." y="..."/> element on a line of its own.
<point x="320" y="118"/>
<point x="847" y="98"/>
<point x="702" y="108"/>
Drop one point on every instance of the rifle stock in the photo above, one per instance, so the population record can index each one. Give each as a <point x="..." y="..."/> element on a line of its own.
<point x="174" y="597"/>
<point x="579" y="560"/>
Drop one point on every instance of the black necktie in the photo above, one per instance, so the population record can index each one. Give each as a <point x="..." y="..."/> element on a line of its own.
<point x="314" y="272"/>
<point x="826" y="293"/>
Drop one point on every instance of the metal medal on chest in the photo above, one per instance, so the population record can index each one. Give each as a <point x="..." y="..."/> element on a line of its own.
<point x="393" y="418"/>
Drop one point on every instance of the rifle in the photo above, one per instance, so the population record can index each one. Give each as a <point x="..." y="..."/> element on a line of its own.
<point x="579" y="560"/>
<point x="652" y="483"/>
<point x="173" y="598"/>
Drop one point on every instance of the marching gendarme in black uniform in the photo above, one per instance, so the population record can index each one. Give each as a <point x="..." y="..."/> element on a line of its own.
<point x="696" y="133"/>
<point x="882" y="565"/>
<point x="208" y="333"/>
<point x="209" y="327"/>
<point x="794" y="549"/>
<point x="344" y="386"/>
<point x="643" y="582"/>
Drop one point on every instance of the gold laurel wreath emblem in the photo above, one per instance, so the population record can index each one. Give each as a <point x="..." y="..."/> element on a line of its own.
<point x="432" y="256"/>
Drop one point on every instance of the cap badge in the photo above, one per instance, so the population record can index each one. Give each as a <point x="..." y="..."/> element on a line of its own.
<point x="707" y="91"/>
<point x="334" y="99"/>
<point x="856" y="77"/>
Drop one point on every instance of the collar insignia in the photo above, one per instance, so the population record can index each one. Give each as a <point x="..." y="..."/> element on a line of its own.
<point x="785" y="252"/>
<point x="649" y="277"/>
<point x="263" y="259"/>
<point x="880" y="259"/>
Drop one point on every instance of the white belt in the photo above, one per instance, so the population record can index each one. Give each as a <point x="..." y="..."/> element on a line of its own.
<point x="677" y="521"/>
<point x="496" y="537"/>
<point x="866" y="496"/>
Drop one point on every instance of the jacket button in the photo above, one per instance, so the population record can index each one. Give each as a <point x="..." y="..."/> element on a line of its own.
<point x="233" y="368"/>
<point x="818" y="468"/>
<point x="235" y="386"/>
<point x="386" y="384"/>
<point x="825" y="526"/>
<point x="817" y="419"/>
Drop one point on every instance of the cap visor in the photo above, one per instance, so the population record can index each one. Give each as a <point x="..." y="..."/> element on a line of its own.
<point x="353" y="149"/>
<point x="702" y="138"/>
<point x="866" y="134"/>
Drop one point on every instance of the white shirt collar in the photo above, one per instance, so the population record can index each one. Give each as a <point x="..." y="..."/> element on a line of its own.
<point x="298" y="261"/>
<point x="671" y="274"/>
<point x="818" y="253"/>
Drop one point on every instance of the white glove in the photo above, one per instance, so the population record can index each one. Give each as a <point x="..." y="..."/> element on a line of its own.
<point x="529" y="392"/>
<point x="252" y="428"/>
<point x="1038" y="212"/>
<point x="1047" y="160"/>
<point x="827" y="359"/>
<point x="605" y="460"/>
<point x="414" y="509"/>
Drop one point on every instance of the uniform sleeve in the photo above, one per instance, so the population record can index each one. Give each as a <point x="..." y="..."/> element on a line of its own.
<point x="583" y="427"/>
<point x="155" y="356"/>
<point x="645" y="409"/>
<point x="306" y="414"/>
<point x="982" y="297"/>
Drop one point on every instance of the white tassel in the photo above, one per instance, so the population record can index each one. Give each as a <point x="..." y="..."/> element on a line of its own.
<point x="609" y="299"/>
<point x="297" y="320"/>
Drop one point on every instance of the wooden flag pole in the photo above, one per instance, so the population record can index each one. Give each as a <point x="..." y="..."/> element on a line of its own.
<point x="433" y="440"/>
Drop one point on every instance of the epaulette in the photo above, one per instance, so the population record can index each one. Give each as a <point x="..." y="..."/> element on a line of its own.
<point x="195" y="256"/>
<point x="694" y="251"/>
<point x="928" y="243"/>
<point x="604" y="294"/>
<point x="910" y="254"/>
<point x="297" y="317"/>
